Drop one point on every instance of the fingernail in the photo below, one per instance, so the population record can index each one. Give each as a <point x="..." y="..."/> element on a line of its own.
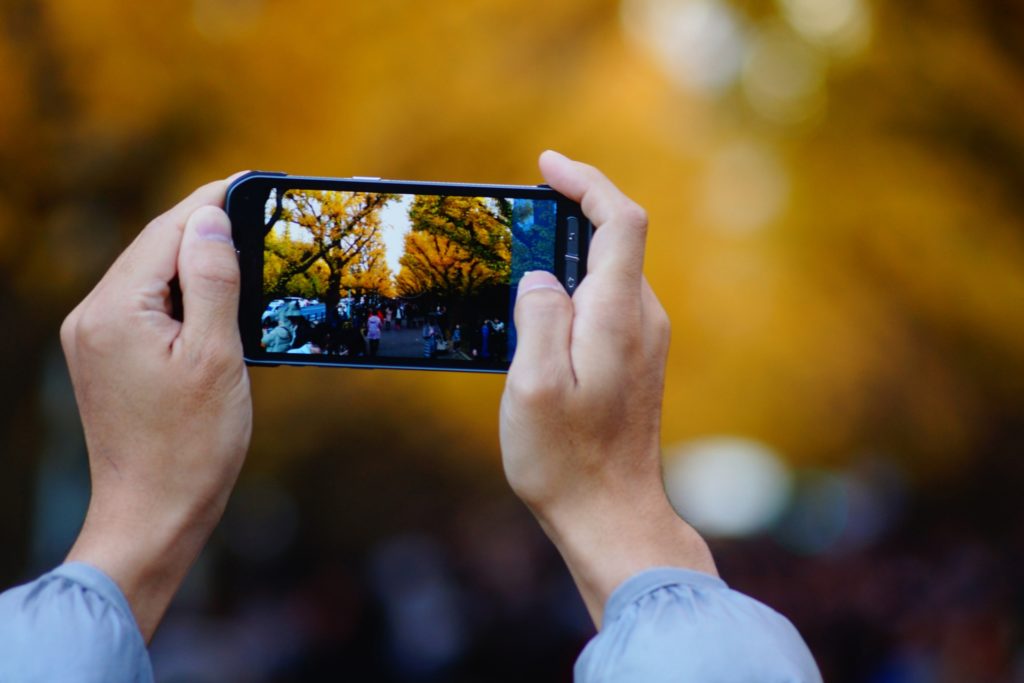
<point x="212" y="224"/>
<point x="538" y="279"/>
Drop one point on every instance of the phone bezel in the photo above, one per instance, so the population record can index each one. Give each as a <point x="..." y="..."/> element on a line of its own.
<point x="245" y="205"/>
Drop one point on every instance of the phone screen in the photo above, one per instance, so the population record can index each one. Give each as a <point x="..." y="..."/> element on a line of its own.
<point x="397" y="279"/>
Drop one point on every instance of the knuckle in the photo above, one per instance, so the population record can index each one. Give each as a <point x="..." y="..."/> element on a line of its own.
<point x="535" y="389"/>
<point x="89" y="326"/>
<point x="661" y="322"/>
<point x="635" y="215"/>
<point x="663" y="335"/>
<point x="92" y="330"/>
<point x="68" y="330"/>
<point x="592" y="173"/>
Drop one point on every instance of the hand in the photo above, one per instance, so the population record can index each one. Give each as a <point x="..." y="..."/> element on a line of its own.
<point x="165" y="403"/>
<point x="581" y="412"/>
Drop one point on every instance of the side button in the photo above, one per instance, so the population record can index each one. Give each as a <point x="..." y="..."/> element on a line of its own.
<point x="572" y="273"/>
<point x="572" y="237"/>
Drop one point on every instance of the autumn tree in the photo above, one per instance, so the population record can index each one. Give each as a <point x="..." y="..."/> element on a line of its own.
<point x="319" y="242"/>
<point x="281" y="252"/>
<point x="456" y="247"/>
<point x="369" y="273"/>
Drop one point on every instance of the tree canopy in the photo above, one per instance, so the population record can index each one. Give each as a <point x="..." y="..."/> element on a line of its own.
<point x="456" y="246"/>
<point x="323" y="242"/>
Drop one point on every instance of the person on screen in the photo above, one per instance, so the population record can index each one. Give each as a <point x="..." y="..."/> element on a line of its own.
<point x="167" y="412"/>
<point x="429" y="335"/>
<point x="373" y="325"/>
<point x="280" y="338"/>
<point x="485" y="339"/>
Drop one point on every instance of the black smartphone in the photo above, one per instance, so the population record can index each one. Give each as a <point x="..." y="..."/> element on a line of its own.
<point x="364" y="272"/>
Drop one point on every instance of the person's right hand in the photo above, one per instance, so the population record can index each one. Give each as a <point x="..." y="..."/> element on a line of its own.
<point x="581" y="412"/>
<point x="165" y="403"/>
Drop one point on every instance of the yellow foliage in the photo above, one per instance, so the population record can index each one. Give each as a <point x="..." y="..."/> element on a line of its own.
<point x="457" y="246"/>
<point x="891" y="270"/>
<point x="325" y="242"/>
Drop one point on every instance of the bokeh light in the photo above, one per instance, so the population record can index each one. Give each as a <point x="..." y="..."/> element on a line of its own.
<point x="783" y="78"/>
<point x="699" y="43"/>
<point x="726" y="486"/>
<point x="842" y="25"/>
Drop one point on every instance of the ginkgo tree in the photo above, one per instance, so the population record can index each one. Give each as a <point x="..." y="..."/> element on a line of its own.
<point x="456" y="246"/>
<point x="321" y="242"/>
<point x="281" y="253"/>
<point x="369" y="273"/>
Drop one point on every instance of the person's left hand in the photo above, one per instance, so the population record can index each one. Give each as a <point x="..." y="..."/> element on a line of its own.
<point x="165" y="403"/>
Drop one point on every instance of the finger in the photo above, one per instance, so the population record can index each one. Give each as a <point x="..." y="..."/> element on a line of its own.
<point x="543" y="315"/>
<point x="618" y="244"/>
<point x="153" y="256"/>
<point x="209" y="276"/>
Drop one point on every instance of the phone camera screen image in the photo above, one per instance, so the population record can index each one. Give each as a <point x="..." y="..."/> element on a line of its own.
<point x="397" y="279"/>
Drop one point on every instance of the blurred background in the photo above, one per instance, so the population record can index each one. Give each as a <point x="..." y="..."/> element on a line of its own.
<point x="835" y="190"/>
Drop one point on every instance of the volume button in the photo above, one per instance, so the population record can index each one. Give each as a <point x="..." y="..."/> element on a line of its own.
<point x="572" y="237"/>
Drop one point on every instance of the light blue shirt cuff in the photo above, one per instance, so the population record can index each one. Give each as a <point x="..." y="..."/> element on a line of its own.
<point x="671" y="624"/>
<point x="71" y="624"/>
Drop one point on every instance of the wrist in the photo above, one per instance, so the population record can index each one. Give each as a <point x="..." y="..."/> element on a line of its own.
<point x="147" y="554"/>
<point x="605" y="542"/>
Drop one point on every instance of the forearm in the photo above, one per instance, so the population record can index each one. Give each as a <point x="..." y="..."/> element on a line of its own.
<point x="156" y="363"/>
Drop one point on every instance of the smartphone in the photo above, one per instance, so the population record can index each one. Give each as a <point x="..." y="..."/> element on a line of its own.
<point x="364" y="272"/>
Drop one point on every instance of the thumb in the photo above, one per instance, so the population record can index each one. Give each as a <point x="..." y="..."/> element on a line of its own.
<point x="543" y="314"/>
<point x="209" y="277"/>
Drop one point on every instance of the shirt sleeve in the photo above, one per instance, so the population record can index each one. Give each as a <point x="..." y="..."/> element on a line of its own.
<point x="72" y="624"/>
<point x="679" y="625"/>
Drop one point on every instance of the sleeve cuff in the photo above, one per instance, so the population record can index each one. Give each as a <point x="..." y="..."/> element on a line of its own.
<point x="650" y="580"/>
<point x="95" y="580"/>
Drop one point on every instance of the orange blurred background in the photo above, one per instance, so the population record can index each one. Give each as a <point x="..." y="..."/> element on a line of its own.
<point x="834" y="188"/>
